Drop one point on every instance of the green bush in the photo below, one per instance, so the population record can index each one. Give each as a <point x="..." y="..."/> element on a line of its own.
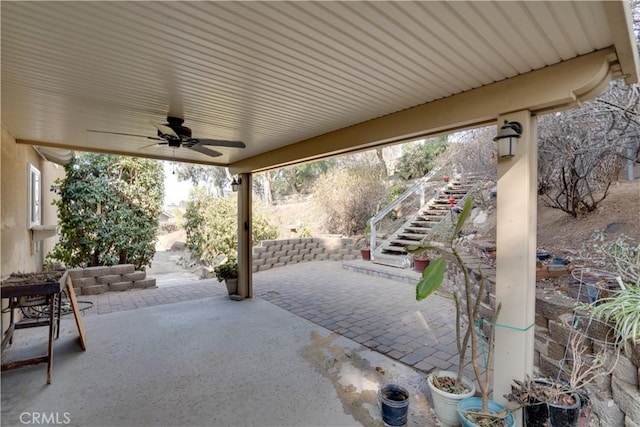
<point x="108" y="210"/>
<point x="419" y="158"/>
<point x="211" y="226"/>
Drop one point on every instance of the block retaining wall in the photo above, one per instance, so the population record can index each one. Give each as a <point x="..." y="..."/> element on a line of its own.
<point x="278" y="253"/>
<point x="98" y="280"/>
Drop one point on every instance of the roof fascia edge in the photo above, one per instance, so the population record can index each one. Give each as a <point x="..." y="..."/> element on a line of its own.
<point x="80" y="148"/>
<point x="556" y="87"/>
<point x="619" y="19"/>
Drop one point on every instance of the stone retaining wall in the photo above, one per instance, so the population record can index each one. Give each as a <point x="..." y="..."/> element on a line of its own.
<point x="98" y="280"/>
<point x="615" y="398"/>
<point x="278" y="253"/>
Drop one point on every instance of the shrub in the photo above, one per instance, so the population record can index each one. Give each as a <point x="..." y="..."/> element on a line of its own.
<point x="211" y="226"/>
<point x="349" y="197"/>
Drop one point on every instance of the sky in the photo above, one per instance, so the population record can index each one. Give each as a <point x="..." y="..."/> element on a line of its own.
<point x="174" y="190"/>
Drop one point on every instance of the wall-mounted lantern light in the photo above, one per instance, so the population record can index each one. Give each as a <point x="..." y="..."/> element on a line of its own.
<point x="507" y="138"/>
<point x="235" y="184"/>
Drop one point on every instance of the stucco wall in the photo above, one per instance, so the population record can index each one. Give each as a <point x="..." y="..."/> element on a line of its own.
<point x="16" y="252"/>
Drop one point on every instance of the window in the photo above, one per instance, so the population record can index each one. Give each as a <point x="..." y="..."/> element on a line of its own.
<point x="35" y="213"/>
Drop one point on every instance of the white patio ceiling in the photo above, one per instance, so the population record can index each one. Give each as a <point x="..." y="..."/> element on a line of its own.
<point x="273" y="74"/>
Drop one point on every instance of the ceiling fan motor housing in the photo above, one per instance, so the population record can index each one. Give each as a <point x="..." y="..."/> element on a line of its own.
<point x="175" y="123"/>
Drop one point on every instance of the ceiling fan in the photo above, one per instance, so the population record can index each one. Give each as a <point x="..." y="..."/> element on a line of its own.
<point x="174" y="134"/>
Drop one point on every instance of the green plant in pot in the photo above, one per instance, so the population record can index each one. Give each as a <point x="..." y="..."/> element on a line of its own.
<point x="449" y="388"/>
<point x="228" y="272"/>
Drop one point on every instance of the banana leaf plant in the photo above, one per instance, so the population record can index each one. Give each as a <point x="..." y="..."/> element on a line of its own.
<point x="468" y="303"/>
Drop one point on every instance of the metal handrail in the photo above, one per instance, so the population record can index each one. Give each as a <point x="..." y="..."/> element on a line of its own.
<point x="414" y="189"/>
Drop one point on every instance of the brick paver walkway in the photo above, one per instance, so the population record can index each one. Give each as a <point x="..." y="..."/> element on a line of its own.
<point x="379" y="313"/>
<point x="138" y="298"/>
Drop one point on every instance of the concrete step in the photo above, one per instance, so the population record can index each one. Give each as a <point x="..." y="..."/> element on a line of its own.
<point x="392" y="272"/>
<point x="424" y="224"/>
<point x="418" y="230"/>
<point x="411" y="236"/>
<point x="398" y="261"/>
<point x="403" y="242"/>
<point x="394" y="250"/>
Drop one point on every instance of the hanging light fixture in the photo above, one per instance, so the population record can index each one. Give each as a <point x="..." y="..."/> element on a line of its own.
<point x="235" y="184"/>
<point x="507" y="138"/>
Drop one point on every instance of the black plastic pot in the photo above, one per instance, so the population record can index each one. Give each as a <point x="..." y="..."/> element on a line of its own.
<point x="394" y="403"/>
<point x="565" y="415"/>
<point x="536" y="414"/>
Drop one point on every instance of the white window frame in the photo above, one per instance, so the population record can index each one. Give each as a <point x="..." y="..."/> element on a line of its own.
<point x="34" y="180"/>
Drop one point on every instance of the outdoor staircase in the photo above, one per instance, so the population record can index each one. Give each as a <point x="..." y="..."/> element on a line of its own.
<point x="392" y="251"/>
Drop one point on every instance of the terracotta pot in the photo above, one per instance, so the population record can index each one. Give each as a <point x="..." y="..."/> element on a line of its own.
<point x="366" y="254"/>
<point x="419" y="264"/>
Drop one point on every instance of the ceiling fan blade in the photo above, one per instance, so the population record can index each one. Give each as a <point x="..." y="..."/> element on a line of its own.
<point x="166" y="130"/>
<point x="155" y="143"/>
<point x="220" y="143"/>
<point x="119" y="133"/>
<point x="204" y="150"/>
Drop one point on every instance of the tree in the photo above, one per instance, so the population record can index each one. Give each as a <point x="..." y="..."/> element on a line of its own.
<point x="472" y="152"/>
<point x="293" y="180"/>
<point x="581" y="151"/>
<point x="350" y="196"/>
<point x="212" y="177"/>
<point x="108" y="210"/>
<point x="419" y="157"/>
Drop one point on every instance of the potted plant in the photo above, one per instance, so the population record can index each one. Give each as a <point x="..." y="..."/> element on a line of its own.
<point x="420" y="261"/>
<point x="228" y="272"/>
<point x="561" y="400"/>
<point x="532" y="395"/>
<point x="365" y="251"/>
<point x="547" y="402"/>
<point x="468" y="309"/>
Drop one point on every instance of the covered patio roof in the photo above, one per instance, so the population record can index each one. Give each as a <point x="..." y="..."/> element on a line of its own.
<point x="296" y="80"/>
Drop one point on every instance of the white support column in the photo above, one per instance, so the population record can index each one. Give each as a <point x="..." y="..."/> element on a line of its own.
<point x="516" y="258"/>
<point x="245" y="283"/>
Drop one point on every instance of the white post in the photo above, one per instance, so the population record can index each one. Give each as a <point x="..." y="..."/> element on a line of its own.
<point x="516" y="259"/>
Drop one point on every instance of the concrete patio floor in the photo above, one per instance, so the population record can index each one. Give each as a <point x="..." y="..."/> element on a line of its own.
<point x="186" y="355"/>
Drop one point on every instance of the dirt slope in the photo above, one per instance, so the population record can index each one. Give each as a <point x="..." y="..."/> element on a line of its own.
<point x="618" y="214"/>
<point x="558" y="232"/>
